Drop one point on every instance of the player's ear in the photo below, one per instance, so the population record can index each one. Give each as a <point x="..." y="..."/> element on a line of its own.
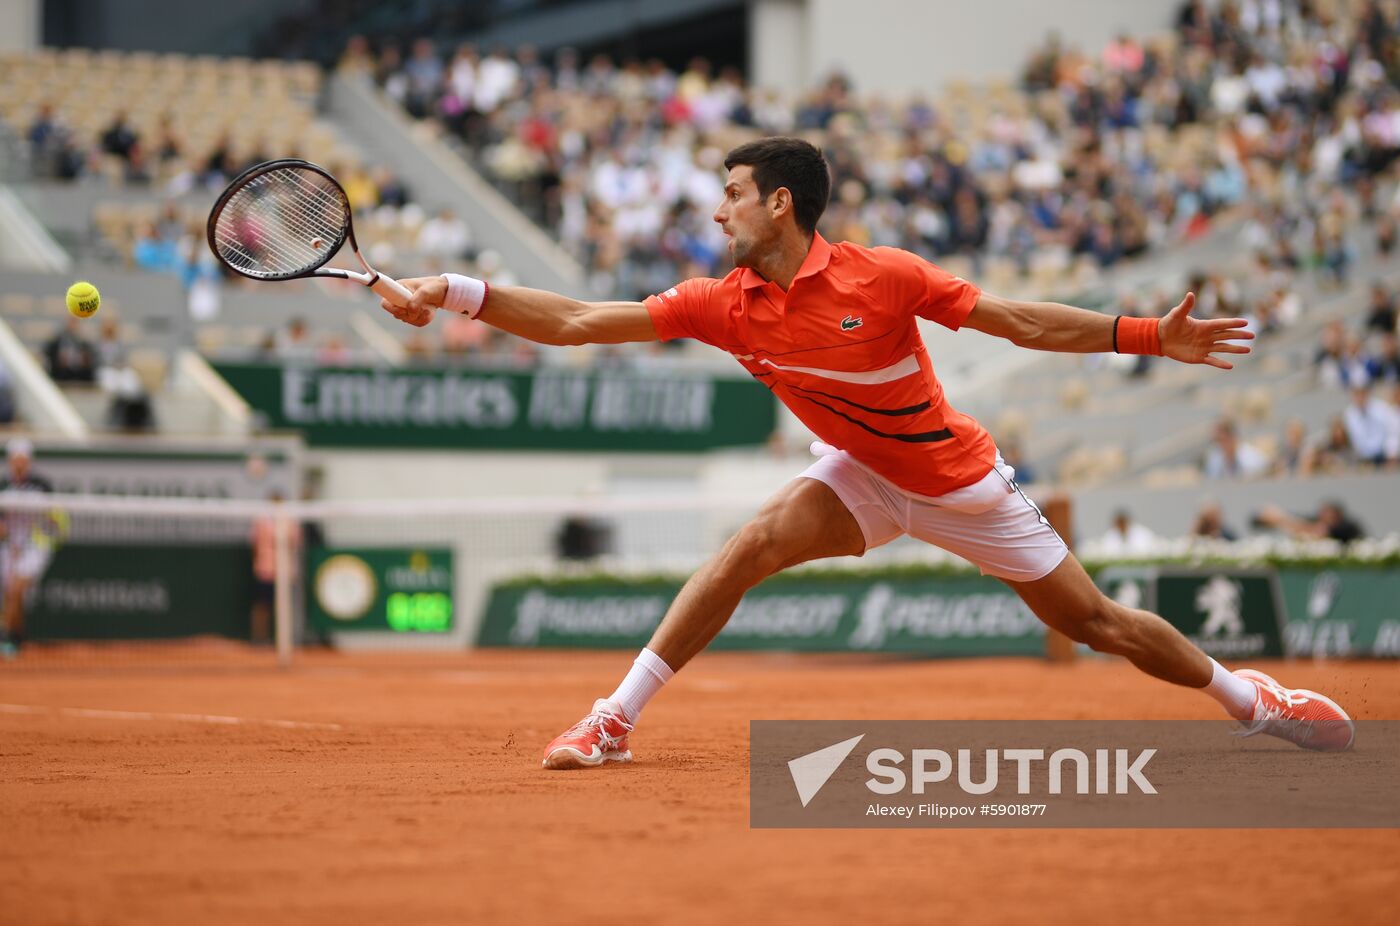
<point x="780" y="203"/>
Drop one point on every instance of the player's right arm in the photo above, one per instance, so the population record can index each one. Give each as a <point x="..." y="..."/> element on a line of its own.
<point x="536" y="315"/>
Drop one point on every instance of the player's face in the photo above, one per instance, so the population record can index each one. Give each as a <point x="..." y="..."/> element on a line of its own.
<point x="19" y="467"/>
<point x="745" y="218"/>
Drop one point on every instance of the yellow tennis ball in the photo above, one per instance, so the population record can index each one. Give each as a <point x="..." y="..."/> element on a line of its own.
<point x="83" y="299"/>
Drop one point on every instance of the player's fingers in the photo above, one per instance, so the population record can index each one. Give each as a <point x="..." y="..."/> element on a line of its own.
<point x="1218" y="363"/>
<point x="1224" y="324"/>
<point x="1231" y="334"/>
<point x="1184" y="307"/>
<point x="1228" y="348"/>
<point x="416" y="317"/>
<point x="425" y="296"/>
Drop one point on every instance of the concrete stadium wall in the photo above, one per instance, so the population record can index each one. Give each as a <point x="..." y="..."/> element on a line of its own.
<point x="1372" y="498"/>
<point x="162" y="25"/>
<point x="898" y="47"/>
<point x="20" y="24"/>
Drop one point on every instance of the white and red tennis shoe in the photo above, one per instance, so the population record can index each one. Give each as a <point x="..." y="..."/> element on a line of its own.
<point x="1304" y="718"/>
<point x="598" y="738"/>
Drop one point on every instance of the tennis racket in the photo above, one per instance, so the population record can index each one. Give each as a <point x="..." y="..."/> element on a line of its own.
<point x="284" y="220"/>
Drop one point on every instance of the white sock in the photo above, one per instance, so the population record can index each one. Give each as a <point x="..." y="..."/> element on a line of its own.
<point x="648" y="673"/>
<point x="1235" y="694"/>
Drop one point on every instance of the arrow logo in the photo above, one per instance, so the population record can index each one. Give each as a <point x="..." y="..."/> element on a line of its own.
<point x="811" y="772"/>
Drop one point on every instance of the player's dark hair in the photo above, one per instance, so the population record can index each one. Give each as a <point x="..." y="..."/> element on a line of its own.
<point x="788" y="162"/>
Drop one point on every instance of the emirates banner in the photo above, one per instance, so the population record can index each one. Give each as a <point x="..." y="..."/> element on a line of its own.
<point x="488" y="409"/>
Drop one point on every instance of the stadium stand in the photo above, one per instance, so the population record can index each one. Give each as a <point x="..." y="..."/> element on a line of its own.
<point x="1089" y="161"/>
<point x="1251" y="131"/>
<point x="1229" y="155"/>
<point x="142" y="118"/>
<point x="150" y="217"/>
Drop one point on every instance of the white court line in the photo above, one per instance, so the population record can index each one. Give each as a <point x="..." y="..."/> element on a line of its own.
<point x="147" y="715"/>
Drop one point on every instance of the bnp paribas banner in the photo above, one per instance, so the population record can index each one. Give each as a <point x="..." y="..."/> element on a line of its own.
<point x="942" y="616"/>
<point x="1342" y="611"/>
<point x="143" y="590"/>
<point x="538" y="410"/>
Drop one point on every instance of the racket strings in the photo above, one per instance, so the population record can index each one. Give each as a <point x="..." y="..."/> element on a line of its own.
<point x="274" y="240"/>
<point x="279" y="218"/>
<point x="285" y="222"/>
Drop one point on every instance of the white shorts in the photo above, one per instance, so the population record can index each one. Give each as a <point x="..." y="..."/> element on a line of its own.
<point x="28" y="562"/>
<point x="990" y="523"/>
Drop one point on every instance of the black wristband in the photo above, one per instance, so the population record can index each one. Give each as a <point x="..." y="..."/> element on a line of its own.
<point x="1116" y="320"/>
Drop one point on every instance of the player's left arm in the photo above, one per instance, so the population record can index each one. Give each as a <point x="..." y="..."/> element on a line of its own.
<point x="1064" y="328"/>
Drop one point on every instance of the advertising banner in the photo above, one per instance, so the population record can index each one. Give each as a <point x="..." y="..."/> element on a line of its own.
<point x="507" y="410"/>
<point x="943" y="616"/>
<point x="1343" y="611"/>
<point x="1229" y="612"/>
<point x="171" y="471"/>
<point x="137" y="591"/>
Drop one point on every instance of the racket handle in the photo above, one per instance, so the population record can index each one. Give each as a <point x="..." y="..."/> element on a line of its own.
<point x="391" y="289"/>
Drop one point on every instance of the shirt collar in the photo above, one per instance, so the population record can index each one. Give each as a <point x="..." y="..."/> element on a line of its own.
<point x="818" y="256"/>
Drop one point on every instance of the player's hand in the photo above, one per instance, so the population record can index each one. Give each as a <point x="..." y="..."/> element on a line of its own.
<point x="1198" y="340"/>
<point x="428" y="294"/>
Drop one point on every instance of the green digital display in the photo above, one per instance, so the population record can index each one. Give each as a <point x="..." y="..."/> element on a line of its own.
<point x="419" y="612"/>
<point x="396" y="589"/>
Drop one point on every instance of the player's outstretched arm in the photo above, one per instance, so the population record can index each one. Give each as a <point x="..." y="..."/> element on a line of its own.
<point x="543" y="317"/>
<point x="1064" y="328"/>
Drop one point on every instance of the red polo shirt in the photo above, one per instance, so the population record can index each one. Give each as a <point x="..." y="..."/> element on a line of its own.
<point x="841" y="349"/>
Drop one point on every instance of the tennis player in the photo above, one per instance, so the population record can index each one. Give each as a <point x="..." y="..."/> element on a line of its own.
<point x="830" y="328"/>
<point x="27" y="541"/>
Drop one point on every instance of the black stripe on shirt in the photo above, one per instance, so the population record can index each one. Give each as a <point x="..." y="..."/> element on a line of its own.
<point x="908" y="410"/>
<point x="925" y="437"/>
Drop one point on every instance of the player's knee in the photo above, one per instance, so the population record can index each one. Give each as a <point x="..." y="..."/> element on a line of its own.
<point x="756" y="552"/>
<point x="1106" y="628"/>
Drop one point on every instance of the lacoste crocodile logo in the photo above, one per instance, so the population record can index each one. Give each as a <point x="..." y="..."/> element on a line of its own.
<point x="848" y="323"/>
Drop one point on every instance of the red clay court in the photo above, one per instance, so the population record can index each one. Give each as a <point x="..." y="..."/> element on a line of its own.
<point x="408" y="789"/>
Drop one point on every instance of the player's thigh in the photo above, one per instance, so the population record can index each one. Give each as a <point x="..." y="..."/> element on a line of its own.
<point x="805" y="520"/>
<point x="992" y="525"/>
<point x="872" y="504"/>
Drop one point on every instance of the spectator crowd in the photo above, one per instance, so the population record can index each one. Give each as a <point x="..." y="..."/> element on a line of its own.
<point x="1278" y="104"/>
<point x="72" y="358"/>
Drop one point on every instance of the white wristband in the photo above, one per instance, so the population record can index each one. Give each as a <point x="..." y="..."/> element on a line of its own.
<point x="465" y="295"/>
